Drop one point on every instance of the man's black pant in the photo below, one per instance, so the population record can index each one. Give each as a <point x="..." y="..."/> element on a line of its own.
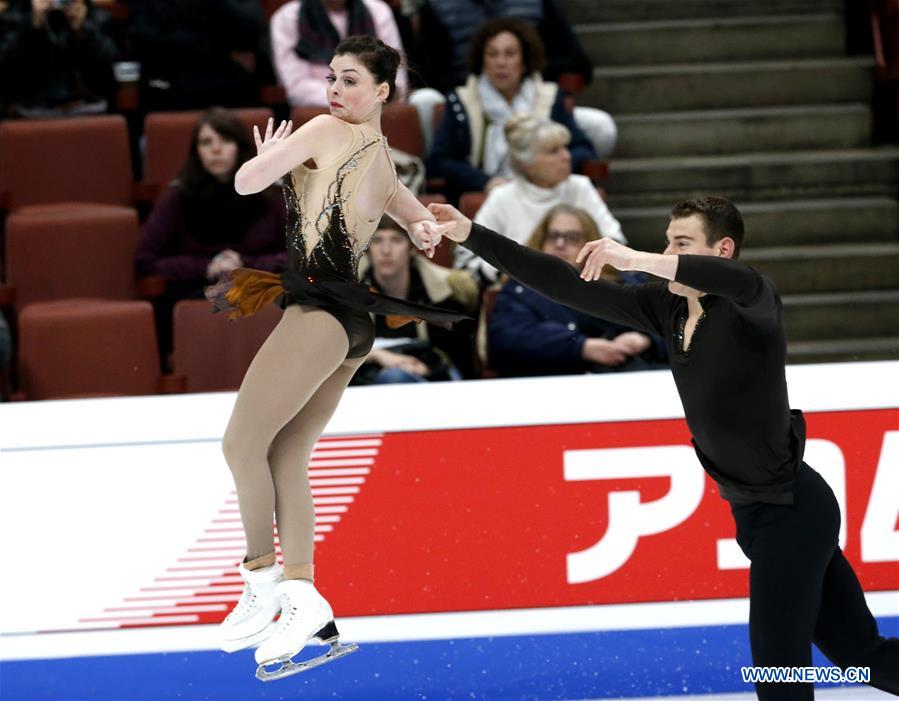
<point x="802" y="590"/>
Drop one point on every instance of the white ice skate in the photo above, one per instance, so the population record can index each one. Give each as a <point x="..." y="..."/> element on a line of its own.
<point x="305" y="617"/>
<point x="252" y="620"/>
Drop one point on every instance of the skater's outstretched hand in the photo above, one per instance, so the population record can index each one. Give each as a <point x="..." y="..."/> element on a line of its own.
<point x="271" y="137"/>
<point x="458" y="226"/>
<point x="602" y="252"/>
<point x="426" y="235"/>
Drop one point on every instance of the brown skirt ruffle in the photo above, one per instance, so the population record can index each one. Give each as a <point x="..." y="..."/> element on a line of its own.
<point x="250" y="290"/>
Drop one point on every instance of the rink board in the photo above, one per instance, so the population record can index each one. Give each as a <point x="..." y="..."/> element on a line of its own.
<point x="547" y="538"/>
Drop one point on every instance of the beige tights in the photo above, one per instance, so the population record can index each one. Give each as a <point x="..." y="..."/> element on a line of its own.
<point x="289" y="393"/>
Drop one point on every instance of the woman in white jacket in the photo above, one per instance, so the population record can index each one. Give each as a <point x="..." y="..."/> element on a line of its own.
<point x="541" y="166"/>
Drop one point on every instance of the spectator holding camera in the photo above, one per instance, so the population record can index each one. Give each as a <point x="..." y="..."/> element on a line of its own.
<point x="56" y="58"/>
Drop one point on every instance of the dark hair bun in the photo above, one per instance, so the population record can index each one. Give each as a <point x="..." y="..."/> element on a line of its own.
<point x="381" y="60"/>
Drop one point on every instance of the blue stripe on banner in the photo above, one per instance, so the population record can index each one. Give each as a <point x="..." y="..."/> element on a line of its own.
<point x="611" y="664"/>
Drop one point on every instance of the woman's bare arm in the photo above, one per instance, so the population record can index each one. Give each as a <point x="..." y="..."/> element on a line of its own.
<point x="405" y="209"/>
<point x="321" y="139"/>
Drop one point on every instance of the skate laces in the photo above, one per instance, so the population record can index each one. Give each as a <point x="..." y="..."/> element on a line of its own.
<point x="245" y="605"/>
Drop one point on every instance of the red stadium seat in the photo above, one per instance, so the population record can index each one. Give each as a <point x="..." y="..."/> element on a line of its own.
<point x="78" y="159"/>
<point x="74" y="250"/>
<point x="213" y="352"/>
<point x="88" y="348"/>
<point x="470" y="203"/>
<point x="399" y="122"/>
<point x="401" y="126"/>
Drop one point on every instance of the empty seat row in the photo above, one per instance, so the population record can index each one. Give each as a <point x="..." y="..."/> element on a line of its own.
<point x="87" y="159"/>
<point x="93" y="348"/>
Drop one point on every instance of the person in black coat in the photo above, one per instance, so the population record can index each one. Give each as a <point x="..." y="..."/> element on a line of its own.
<point x="56" y="58"/>
<point x="196" y="53"/>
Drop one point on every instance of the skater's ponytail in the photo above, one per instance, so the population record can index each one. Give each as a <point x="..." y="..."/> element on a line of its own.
<point x="381" y="60"/>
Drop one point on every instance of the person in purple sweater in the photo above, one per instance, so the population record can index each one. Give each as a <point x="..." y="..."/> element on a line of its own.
<point x="202" y="229"/>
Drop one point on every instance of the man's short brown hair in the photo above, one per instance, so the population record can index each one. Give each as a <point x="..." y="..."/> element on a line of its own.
<point x="720" y="219"/>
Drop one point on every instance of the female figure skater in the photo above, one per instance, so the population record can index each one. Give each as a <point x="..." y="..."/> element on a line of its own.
<point x="723" y="328"/>
<point x="294" y="383"/>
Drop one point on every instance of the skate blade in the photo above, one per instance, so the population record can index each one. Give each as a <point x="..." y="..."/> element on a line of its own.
<point x="288" y="667"/>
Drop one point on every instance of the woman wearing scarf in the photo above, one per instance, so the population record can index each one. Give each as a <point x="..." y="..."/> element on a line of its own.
<point x="470" y="149"/>
<point x="306" y="32"/>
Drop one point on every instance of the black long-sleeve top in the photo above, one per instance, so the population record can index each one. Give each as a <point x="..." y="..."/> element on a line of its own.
<point x="731" y="380"/>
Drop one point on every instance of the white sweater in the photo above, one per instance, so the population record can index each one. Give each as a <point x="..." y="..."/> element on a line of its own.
<point x="516" y="208"/>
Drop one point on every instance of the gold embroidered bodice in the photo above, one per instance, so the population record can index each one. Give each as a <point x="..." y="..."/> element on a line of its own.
<point x="325" y="231"/>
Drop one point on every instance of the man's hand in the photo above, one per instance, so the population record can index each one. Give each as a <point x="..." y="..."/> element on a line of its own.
<point x="604" y="252"/>
<point x="458" y="226"/>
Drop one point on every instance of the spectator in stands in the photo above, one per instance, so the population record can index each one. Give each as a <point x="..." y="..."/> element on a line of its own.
<point x="416" y="352"/>
<point x="446" y="28"/>
<point x="442" y="55"/>
<point x="469" y="148"/>
<point x="202" y="229"/>
<point x="304" y="34"/>
<point x="540" y="159"/>
<point x="529" y="334"/>
<point x="56" y="58"/>
<point x="196" y="53"/>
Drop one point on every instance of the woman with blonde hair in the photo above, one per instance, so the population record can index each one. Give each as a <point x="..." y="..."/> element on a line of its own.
<point x="541" y="165"/>
<point x="529" y="334"/>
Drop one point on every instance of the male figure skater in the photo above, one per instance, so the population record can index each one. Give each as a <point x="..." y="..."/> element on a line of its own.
<point x="723" y="326"/>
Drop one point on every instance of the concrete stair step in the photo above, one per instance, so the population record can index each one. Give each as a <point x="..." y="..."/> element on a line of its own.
<point x="722" y="39"/>
<point x="743" y="130"/>
<point x="843" y="350"/>
<point x="827" y="269"/>
<point x="696" y="86"/>
<point x="789" y="223"/>
<point x="639" y="10"/>
<point x="842" y="315"/>
<point x="755" y="176"/>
